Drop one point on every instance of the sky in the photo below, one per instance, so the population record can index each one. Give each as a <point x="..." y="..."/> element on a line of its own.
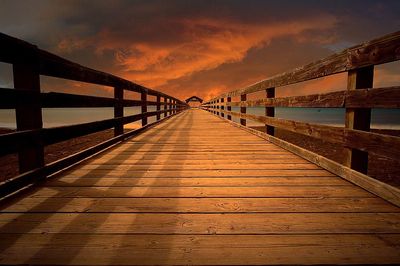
<point x="201" y="48"/>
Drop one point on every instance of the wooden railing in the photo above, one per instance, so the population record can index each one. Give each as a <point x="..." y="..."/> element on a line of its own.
<point x="26" y="98"/>
<point x="357" y="100"/>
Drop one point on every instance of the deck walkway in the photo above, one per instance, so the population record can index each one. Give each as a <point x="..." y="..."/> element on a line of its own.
<point x="197" y="190"/>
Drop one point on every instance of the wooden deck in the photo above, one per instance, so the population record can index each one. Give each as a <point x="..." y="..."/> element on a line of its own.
<point x="195" y="190"/>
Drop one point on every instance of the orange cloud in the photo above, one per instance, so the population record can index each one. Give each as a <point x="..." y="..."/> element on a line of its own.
<point x="205" y="44"/>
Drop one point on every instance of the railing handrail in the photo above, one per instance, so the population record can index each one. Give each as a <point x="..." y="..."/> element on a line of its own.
<point x="374" y="52"/>
<point x="13" y="50"/>
<point x="29" y="62"/>
<point x="360" y="96"/>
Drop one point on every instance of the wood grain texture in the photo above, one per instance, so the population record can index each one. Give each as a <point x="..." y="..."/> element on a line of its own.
<point x="390" y="193"/>
<point x="178" y="194"/>
<point x="201" y="205"/>
<point x="200" y="249"/>
<point x="64" y="181"/>
<point x="384" y="145"/>
<point x="362" y="98"/>
<point x="382" y="50"/>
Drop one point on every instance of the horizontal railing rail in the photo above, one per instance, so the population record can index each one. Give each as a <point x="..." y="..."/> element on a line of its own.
<point x="29" y="63"/>
<point x="357" y="100"/>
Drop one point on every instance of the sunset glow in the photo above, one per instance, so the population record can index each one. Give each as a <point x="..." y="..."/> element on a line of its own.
<point x="198" y="47"/>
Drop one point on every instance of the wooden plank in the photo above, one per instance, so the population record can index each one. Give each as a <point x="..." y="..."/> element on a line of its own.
<point x="373" y="98"/>
<point x="264" y="157"/>
<point x="203" y="192"/>
<point x="200" y="205"/>
<point x="172" y="149"/>
<point x="168" y="166"/>
<point x="196" y="143"/>
<point x="197" y="182"/>
<point x="10" y="98"/>
<point x="218" y="146"/>
<point x="199" y="249"/>
<point x="212" y="224"/>
<point x="203" y="161"/>
<point x="197" y="173"/>
<point x="196" y="152"/>
<point x="388" y="97"/>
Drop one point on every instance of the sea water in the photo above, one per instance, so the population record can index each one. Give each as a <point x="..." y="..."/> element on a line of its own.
<point x="53" y="117"/>
<point x="380" y="118"/>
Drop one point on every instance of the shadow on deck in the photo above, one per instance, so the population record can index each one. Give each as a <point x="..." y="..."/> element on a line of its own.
<point x="184" y="193"/>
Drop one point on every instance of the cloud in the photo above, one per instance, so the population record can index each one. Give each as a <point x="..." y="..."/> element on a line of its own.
<point x="202" y="44"/>
<point x="196" y="47"/>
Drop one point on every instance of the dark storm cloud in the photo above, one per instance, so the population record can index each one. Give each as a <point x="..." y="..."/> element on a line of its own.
<point x="202" y="46"/>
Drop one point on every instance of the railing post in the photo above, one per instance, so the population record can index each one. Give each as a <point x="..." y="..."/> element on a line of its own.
<point x="158" y="107"/>
<point x="169" y="106"/>
<point x="144" y="107"/>
<point x="222" y="108"/>
<point x="29" y="116"/>
<point x="359" y="118"/>
<point x="270" y="111"/>
<point x="165" y="106"/>
<point x="118" y="110"/>
<point x="243" y="98"/>
<point x="229" y="108"/>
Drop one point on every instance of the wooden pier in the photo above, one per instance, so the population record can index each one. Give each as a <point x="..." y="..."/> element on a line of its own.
<point x="181" y="193"/>
<point x="194" y="187"/>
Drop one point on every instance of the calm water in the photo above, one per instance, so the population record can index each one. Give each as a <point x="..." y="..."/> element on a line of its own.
<point x="381" y="118"/>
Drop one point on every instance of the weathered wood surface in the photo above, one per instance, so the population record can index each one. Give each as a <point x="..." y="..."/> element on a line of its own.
<point x="382" y="50"/>
<point x="384" y="145"/>
<point x="180" y="194"/>
<point x="388" y="97"/>
<point x="10" y="98"/>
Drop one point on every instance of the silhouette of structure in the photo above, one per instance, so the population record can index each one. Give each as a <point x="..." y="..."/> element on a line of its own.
<point x="194" y="99"/>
